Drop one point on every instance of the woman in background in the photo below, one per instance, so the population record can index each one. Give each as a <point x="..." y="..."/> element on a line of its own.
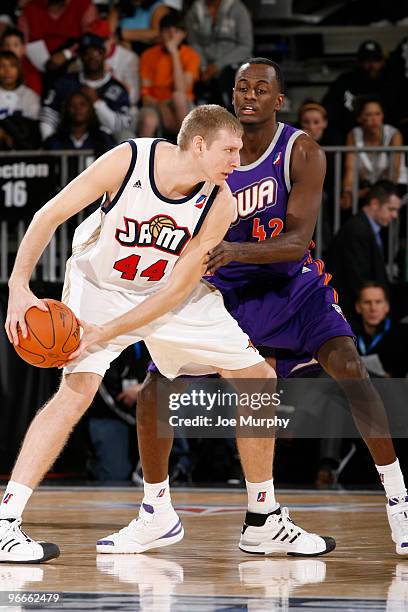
<point x="372" y="167"/>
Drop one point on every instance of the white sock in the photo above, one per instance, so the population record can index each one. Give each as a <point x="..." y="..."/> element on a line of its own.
<point x="261" y="497"/>
<point x="14" y="500"/>
<point x="157" y="495"/>
<point x="392" y="479"/>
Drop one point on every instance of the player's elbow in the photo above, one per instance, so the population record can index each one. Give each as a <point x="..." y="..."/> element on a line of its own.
<point x="46" y="216"/>
<point x="175" y="294"/>
<point x="300" y="246"/>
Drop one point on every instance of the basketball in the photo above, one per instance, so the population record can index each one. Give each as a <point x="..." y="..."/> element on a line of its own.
<point x="52" y="335"/>
<point x="158" y="222"/>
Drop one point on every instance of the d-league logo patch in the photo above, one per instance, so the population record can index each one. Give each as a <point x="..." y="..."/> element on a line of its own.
<point x="161" y="492"/>
<point x="7" y="498"/>
<point x="261" y="496"/>
<point x="278" y="159"/>
<point x="201" y="200"/>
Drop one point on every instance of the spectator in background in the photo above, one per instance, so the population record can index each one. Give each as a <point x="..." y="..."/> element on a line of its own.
<point x="381" y="342"/>
<point x="15" y="97"/>
<point x="19" y="107"/>
<point x="122" y="63"/>
<point x="109" y="98"/>
<point x="312" y="118"/>
<point x="137" y="22"/>
<point x="13" y="40"/>
<point x="52" y="28"/>
<point x="56" y="21"/>
<point x="221" y="32"/>
<point x="371" y="132"/>
<point x="79" y="127"/>
<point x="168" y="73"/>
<point x="366" y="78"/>
<point x="357" y="250"/>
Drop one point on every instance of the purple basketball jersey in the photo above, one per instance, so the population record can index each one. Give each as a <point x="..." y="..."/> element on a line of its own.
<point x="261" y="191"/>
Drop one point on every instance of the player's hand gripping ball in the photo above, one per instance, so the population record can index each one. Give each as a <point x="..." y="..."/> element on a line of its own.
<point x="52" y="335"/>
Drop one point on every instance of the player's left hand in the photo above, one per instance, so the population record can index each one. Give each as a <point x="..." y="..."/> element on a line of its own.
<point x="221" y="255"/>
<point x="91" y="334"/>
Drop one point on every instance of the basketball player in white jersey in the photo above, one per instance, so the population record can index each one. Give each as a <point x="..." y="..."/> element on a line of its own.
<point x="135" y="273"/>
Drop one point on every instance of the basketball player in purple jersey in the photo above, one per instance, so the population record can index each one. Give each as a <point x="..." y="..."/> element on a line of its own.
<point x="278" y="293"/>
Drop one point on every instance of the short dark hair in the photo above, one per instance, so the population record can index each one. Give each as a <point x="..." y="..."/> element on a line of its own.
<point x="267" y="62"/>
<point x="12" y="32"/>
<point x="9" y="55"/>
<point x="382" y="191"/>
<point x="373" y="285"/>
<point x="173" y="19"/>
<point x="360" y="102"/>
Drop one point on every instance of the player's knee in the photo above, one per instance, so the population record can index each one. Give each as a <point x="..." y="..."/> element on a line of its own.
<point x="78" y="390"/>
<point x="349" y="366"/>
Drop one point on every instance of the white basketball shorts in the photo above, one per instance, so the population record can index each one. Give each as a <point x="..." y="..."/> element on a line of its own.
<point x="197" y="338"/>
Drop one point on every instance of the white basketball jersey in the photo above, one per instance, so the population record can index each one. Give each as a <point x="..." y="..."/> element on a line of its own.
<point x="133" y="242"/>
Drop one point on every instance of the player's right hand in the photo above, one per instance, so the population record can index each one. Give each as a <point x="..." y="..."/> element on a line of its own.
<point x="20" y="300"/>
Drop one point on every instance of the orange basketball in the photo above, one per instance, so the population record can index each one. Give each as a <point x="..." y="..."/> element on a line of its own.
<point x="52" y="335"/>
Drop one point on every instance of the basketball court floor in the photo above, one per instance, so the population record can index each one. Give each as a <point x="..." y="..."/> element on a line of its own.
<point x="206" y="571"/>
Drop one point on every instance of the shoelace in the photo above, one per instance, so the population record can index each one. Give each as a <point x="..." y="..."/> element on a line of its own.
<point x="144" y="517"/>
<point x="287" y="522"/>
<point x="15" y="528"/>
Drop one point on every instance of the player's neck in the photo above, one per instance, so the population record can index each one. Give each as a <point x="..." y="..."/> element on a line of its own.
<point x="256" y="140"/>
<point x="175" y="173"/>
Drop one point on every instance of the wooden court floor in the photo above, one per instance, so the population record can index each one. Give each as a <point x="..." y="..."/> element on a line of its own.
<point x="207" y="571"/>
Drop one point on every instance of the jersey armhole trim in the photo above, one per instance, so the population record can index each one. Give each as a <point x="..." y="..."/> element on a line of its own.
<point x="206" y="209"/>
<point x="127" y="176"/>
<point x="288" y="154"/>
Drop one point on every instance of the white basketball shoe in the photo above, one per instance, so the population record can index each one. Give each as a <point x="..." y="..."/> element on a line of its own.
<point x="149" y="530"/>
<point x="17" y="547"/>
<point x="397" y="512"/>
<point x="276" y="534"/>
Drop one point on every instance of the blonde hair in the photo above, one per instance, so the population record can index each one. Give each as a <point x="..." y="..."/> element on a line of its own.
<point x="206" y="121"/>
<point x="311" y="106"/>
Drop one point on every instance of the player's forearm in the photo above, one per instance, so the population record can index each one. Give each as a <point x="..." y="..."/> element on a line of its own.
<point x="34" y="243"/>
<point x="286" y="247"/>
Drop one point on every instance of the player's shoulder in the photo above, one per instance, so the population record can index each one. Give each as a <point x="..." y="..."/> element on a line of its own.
<point x="119" y="158"/>
<point x="224" y="200"/>
<point x="305" y="148"/>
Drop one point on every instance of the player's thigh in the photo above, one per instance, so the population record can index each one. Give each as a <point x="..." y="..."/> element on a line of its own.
<point x="201" y="338"/>
<point x="320" y="320"/>
<point x="260" y="370"/>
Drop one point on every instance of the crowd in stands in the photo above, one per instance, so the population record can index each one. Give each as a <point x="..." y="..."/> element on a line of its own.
<point x="72" y="78"/>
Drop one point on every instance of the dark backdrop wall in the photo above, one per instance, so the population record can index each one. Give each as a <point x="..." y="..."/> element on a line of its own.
<point x="23" y="390"/>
